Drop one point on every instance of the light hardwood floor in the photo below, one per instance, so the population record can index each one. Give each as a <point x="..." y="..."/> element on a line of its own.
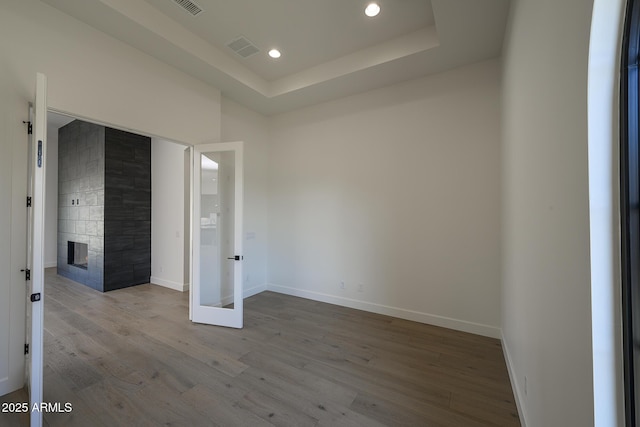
<point x="132" y="358"/>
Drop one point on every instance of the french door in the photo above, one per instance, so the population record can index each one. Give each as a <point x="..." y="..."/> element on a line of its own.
<point x="216" y="234"/>
<point x="35" y="247"/>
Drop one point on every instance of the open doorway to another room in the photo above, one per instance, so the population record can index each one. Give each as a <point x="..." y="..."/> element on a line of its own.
<point x="165" y="232"/>
<point x="146" y="207"/>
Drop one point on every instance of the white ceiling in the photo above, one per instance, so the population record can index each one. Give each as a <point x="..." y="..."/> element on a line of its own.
<point x="308" y="32"/>
<point x="56" y="121"/>
<point x="329" y="48"/>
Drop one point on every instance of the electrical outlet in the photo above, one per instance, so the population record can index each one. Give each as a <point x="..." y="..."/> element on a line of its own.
<point x="361" y="287"/>
<point x="525" y="385"/>
<point x="342" y="285"/>
<point x="246" y="279"/>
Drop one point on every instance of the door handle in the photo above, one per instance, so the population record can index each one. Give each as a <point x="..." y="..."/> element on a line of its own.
<point x="236" y="257"/>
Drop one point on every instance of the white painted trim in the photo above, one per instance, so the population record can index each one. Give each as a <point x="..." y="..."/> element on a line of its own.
<point x="6" y="386"/>
<point x="35" y="260"/>
<point x="176" y="286"/>
<point x="514" y="382"/>
<point x="416" y="316"/>
<point x="254" y="291"/>
<point x="245" y="294"/>
<point x="50" y="264"/>
<point x="603" y="109"/>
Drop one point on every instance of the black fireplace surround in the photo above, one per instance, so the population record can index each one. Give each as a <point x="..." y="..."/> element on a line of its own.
<point x="104" y="206"/>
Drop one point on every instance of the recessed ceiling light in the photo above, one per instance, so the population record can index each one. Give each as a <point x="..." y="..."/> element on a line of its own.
<point x="372" y="10"/>
<point x="274" y="53"/>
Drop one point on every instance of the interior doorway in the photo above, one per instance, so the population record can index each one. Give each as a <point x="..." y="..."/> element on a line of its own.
<point x="170" y="186"/>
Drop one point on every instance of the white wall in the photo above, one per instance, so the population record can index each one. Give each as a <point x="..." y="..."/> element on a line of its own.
<point x="396" y="189"/>
<point x="51" y="200"/>
<point x="242" y="124"/>
<point x="546" y="302"/>
<point x="167" y="215"/>
<point x="91" y="76"/>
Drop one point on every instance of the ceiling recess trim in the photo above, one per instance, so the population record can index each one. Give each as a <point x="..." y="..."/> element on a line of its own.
<point x="189" y="6"/>
<point x="461" y="36"/>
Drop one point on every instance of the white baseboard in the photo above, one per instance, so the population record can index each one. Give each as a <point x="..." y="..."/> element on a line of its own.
<point x="50" y="264"/>
<point x="254" y="291"/>
<point x="176" y="286"/>
<point x="9" y="385"/>
<point x="514" y="381"/>
<point x="416" y="316"/>
<point x="245" y="294"/>
<point x="5" y="386"/>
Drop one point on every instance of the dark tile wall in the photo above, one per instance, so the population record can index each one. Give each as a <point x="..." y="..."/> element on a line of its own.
<point x="81" y="199"/>
<point x="104" y="186"/>
<point x="127" y="211"/>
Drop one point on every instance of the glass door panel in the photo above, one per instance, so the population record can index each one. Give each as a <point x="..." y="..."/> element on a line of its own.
<point x="217" y="231"/>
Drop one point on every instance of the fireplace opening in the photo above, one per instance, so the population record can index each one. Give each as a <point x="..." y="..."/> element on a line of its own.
<point x="78" y="254"/>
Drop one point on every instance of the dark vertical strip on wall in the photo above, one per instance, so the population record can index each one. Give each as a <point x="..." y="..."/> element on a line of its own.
<point x="127" y="209"/>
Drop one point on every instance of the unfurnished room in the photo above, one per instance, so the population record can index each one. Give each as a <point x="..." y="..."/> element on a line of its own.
<point x="302" y="213"/>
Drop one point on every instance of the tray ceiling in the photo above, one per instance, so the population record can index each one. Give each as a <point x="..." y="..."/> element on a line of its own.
<point x="329" y="48"/>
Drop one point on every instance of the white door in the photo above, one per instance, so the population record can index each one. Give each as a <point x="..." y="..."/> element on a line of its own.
<point x="35" y="248"/>
<point x="216" y="234"/>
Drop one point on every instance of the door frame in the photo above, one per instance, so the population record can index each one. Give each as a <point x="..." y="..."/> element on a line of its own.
<point x="35" y="252"/>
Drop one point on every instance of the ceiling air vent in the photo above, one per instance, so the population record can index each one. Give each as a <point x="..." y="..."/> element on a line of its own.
<point x="189" y="6"/>
<point x="242" y="47"/>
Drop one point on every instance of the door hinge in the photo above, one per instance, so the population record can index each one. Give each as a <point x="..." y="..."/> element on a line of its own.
<point x="29" y="127"/>
<point x="27" y="273"/>
<point x="26" y="349"/>
<point x="35" y="297"/>
<point x="28" y="201"/>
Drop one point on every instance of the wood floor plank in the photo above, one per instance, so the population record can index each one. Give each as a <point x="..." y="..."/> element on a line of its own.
<point x="387" y="412"/>
<point x="114" y="406"/>
<point x="500" y="413"/>
<point x="57" y="390"/>
<point x="383" y="386"/>
<point x="205" y="401"/>
<point x="300" y="380"/>
<point x="450" y="379"/>
<point x="424" y="414"/>
<point x="167" y="334"/>
<point x="75" y="372"/>
<point x="131" y="357"/>
<point x="241" y="392"/>
<point x="166" y="407"/>
<point x="325" y="411"/>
